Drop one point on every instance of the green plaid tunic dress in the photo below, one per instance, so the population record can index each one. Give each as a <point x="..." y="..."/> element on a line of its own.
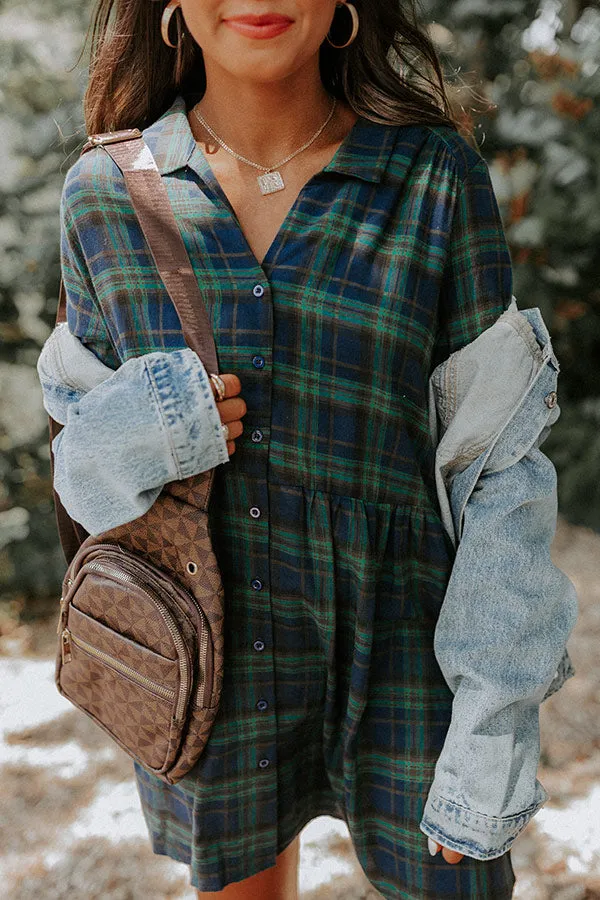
<point x="324" y="520"/>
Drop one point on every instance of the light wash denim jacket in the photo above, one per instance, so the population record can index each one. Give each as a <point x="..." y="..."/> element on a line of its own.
<point x="508" y="610"/>
<point x="500" y="638"/>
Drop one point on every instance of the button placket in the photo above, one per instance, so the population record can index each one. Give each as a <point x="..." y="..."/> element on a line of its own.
<point x="265" y="745"/>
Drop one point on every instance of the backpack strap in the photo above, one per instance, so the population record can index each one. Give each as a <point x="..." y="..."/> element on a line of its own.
<point x="157" y="221"/>
<point x="71" y="533"/>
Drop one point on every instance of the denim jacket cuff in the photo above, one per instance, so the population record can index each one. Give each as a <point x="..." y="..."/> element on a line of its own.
<point x="473" y="833"/>
<point x="188" y="410"/>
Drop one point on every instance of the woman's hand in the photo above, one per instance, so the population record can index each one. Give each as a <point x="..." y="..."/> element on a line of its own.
<point x="231" y="408"/>
<point x="450" y="856"/>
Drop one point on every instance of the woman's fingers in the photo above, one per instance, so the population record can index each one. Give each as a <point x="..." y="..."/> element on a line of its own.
<point x="232" y="385"/>
<point x="231" y="408"/>
<point x="451" y="856"/>
<point x="231" y="412"/>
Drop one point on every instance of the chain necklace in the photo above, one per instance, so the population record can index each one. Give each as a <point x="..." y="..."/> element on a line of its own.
<point x="271" y="180"/>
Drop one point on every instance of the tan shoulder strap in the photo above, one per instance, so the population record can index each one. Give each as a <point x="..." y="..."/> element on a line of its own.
<point x="157" y="221"/>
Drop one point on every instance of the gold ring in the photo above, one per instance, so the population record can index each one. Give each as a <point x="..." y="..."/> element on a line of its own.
<point x="219" y="384"/>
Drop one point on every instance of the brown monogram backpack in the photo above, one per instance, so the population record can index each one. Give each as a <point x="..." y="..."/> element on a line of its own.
<point x="141" y="614"/>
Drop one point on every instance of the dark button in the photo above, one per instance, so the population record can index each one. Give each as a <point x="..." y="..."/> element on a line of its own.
<point x="259" y="645"/>
<point x="258" y="362"/>
<point x="257" y="435"/>
<point x="258" y="290"/>
<point x="254" y="512"/>
<point x="551" y="399"/>
<point x="263" y="763"/>
<point x="257" y="584"/>
<point x="262" y="705"/>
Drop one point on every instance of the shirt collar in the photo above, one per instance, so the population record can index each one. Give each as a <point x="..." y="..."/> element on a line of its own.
<point x="364" y="153"/>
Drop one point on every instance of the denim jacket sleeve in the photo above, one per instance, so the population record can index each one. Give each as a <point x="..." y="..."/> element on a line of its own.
<point x="128" y="431"/>
<point x="508" y="610"/>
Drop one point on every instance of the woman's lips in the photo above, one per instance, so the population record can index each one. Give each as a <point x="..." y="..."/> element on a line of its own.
<point x="266" y="26"/>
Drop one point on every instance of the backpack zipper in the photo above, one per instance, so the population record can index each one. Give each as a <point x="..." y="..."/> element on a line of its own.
<point x="203" y="686"/>
<point x="68" y="637"/>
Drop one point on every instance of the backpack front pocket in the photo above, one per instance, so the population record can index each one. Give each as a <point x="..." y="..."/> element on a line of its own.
<point x="107" y="675"/>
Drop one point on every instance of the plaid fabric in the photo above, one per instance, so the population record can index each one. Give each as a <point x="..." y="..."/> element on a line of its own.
<point x="324" y="520"/>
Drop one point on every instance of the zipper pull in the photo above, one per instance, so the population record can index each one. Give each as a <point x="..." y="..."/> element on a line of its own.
<point x="66" y="646"/>
<point x="63" y="603"/>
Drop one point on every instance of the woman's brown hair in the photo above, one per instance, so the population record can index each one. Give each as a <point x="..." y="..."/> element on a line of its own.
<point x="389" y="74"/>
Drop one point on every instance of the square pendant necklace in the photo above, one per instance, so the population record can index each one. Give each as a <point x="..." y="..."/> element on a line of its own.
<point x="271" y="180"/>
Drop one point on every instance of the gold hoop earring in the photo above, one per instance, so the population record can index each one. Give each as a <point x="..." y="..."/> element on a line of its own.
<point x="355" y="20"/>
<point x="165" y="21"/>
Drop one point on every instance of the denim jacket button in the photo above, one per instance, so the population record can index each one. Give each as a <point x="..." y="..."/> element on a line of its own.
<point x="551" y="399"/>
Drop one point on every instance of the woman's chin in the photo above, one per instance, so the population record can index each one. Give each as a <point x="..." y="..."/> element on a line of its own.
<point x="259" y="68"/>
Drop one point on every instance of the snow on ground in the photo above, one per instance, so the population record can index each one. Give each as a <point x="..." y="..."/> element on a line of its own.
<point x="576" y="829"/>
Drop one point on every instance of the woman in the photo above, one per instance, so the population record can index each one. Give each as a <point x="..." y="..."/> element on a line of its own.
<point x="348" y="241"/>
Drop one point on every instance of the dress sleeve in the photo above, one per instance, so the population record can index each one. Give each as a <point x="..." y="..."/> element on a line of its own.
<point x="84" y="315"/>
<point x="477" y="282"/>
